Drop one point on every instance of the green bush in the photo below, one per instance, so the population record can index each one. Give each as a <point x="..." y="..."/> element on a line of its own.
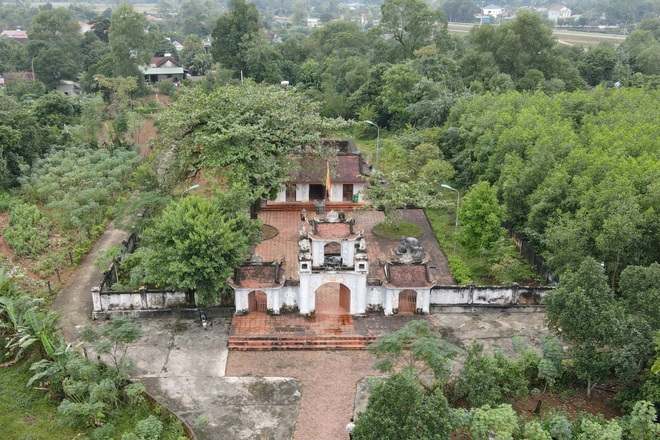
<point x="104" y="432"/>
<point x="27" y="233"/>
<point x="149" y="428"/>
<point x="6" y="202"/>
<point x="459" y="270"/>
<point x="489" y="380"/>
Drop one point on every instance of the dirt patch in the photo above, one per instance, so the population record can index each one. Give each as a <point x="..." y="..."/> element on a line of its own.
<point x="572" y="403"/>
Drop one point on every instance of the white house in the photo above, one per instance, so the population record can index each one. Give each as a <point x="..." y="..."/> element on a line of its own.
<point x="165" y="67"/>
<point x="557" y="12"/>
<point x="492" y="10"/>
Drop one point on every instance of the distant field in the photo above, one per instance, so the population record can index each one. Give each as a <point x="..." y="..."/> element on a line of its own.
<point x="565" y="37"/>
<point x="140" y="7"/>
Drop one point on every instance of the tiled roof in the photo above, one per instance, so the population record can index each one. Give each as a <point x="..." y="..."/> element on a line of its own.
<point x="408" y="275"/>
<point x="258" y="276"/>
<point x="159" y="61"/>
<point x="13" y="34"/>
<point x="328" y="231"/>
<point x="345" y="168"/>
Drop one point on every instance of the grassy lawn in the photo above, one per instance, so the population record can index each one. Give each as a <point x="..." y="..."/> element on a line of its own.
<point x="395" y="231"/>
<point x="26" y="413"/>
<point x="479" y="268"/>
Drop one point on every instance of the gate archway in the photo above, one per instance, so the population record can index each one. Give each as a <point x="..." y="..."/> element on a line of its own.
<point x="407" y="301"/>
<point x="257" y="302"/>
<point x="333" y="299"/>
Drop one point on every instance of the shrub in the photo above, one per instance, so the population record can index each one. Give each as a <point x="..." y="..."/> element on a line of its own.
<point x="6" y="202"/>
<point x="149" y="428"/>
<point x="459" y="270"/>
<point x="27" y="233"/>
<point x="104" y="432"/>
<point x="559" y="427"/>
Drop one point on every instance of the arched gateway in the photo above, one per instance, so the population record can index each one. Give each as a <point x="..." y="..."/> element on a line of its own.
<point x="257" y="301"/>
<point x="333" y="299"/>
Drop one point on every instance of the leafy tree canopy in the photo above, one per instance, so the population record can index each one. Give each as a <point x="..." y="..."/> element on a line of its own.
<point x="195" y="244"/>
<point x="399" y="409"/>
<point x="248" y="131"/>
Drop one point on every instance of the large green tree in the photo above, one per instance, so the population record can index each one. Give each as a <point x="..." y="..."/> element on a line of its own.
<point x="234" y="32"/>
<point x="399" y="409"/>
<point x="481" y="218"/>
<point x="584" y="313"/>
<point x="517" y="46"/>
<point x="54" y="44"/>
<point x="131" y="46"/>
<point x="195" y="244"/>
<point x="412" y="23"/>
<point x="247" y="132"/>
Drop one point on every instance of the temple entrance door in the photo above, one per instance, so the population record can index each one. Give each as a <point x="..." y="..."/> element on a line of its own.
<point x="345" y="298"/>
<point x="407" y="301"/>
<point x="333" y="299"/>
<point x="257" y="302"/>
<point x="347" y="195"/>
<point x="316" y="192"/>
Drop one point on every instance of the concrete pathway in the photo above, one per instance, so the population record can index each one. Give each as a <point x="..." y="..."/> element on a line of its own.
<point x="74" y="302"/>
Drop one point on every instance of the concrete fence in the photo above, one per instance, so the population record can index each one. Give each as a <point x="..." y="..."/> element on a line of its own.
<point x="513" y="295"/>
<point x="134" y="303"/>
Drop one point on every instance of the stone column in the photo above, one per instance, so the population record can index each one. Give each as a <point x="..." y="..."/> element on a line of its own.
<point x="96" y="299"/>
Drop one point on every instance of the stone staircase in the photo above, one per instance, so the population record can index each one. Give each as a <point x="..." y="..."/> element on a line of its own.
<point x="291" y="342"/>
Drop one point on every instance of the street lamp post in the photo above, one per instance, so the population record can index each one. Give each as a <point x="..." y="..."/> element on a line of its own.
<point x="377" y="141"/>
<point x="458" y="203"/>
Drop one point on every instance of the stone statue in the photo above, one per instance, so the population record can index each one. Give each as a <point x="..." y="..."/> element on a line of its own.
<point x="304" y="244"/>
<point x="410" y="246"/>
<point x="256" y="259"/>
<point x="362" y="244"/>
<point x="407" y="243"/>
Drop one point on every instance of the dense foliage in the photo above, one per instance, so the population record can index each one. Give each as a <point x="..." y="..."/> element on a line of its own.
<point x="248" y="131"/>
<point x="194" y="246"/>
<point x="403" y="405"/>
<point x="90" y="396"/>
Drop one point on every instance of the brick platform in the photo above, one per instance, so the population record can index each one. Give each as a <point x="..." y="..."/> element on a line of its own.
<point x="290" y="331"/>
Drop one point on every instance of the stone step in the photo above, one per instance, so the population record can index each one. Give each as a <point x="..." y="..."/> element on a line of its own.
<point x="282" y="342"/>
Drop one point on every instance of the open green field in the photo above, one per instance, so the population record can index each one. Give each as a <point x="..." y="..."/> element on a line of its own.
<point x="563" y="36"/>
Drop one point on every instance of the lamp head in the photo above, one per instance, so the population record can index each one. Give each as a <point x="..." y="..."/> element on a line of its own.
<point x="371" y="123"/>
<point x="446" y="186"/>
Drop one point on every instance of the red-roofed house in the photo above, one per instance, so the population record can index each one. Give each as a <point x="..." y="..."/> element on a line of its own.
<point x="17" y="34"/>
<point x="165" y="67"/>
